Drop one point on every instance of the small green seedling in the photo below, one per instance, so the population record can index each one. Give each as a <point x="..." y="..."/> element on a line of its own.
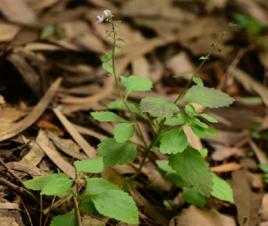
<point x="185" y="166"/>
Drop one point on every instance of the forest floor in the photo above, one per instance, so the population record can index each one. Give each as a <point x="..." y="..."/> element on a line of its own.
<point x="51" y="79"/>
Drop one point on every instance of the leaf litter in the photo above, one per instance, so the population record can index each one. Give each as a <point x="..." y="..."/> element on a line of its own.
<point x="51" y="79"/>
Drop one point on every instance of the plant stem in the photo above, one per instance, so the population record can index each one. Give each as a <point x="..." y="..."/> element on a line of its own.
<point x="152" y="144"/>
<point x="77" y="210"/>
<point x="200" y="66"/>
<point x="179" y="97"/>
<point x="133" y="117"/>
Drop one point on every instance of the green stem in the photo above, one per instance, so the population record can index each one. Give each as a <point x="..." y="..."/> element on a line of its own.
<point x="150" y="147"/>
<point x="77" y="210"/>
<point x="199" y="68"/>
<point x="133" y="117"/>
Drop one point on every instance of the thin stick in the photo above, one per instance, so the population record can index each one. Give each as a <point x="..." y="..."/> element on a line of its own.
<point x="77" y="210"/>
<point x="11" y="172"/>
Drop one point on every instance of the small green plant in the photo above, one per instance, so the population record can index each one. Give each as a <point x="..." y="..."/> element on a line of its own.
<point x="185" y="166"/>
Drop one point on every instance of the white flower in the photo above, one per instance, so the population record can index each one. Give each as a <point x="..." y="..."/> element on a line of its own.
<point x="99" y="19"/>
<point x="107" y="13"/>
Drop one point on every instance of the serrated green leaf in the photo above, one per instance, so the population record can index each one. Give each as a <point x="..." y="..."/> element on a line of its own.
<point x="136" y="83"/>
<point x="90" y="165"/>
<point x="59" y="187"/>
<point x="112" y="202"/>
<point x="106" y="116"/>
<point x="194" y="170"/>
<point x="117" y="205"/>
<point x="107" y="67"/>
<point x="55" y="184"/>
<point x="68" y="219"/>
<point x="173" y="141"/>
<point x="208" y="97"/>
<point x="117" y="153"/>
<point x="119" y="105"/>
<point x="157" y="107"/>
<point x="189" y="110"/>
<point x="209" y="118"/>
<point x="123" y="131"/>
<point x="193" y="197"/>
<point x="221" y="189"/>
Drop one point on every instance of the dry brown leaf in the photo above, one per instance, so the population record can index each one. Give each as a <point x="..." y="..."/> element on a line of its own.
<point x="8" y="31"/>
<point x="8" y="117"/>
<point x="38" y="46"/>
<point x="227" y="138"/>
<point x="128" y="34"/>
<point x="256" y="181"/>
<point x="224" y="153"/>
<point x="104" y="4"/>
<point x="260" y="154"/>
<point x="141" y="67"/>
<point x="8" y="221"/>
<point x="55" y="157"/>
<point x="195" y="39"/>
<point x="111" y="174"/>
<point x="41" y="4"/>
<point x="67" y="146"/>
<point x="147" y="207"/>
<point x="86" y="147"/>
<point x="180" y="64"/>
<point x="156" y="179"/>
<point x="33" y="115"/>
<point x="247" y="202"/>
<point x="227" y="167"/>
<point x="215" y="4"/>
<point x="78" y="32"/>
<point x="9" y="217"/>
<point x="30" y="161"/>
<point x="104" y="93"/>
<point x="89" y="132"/>
<point x="193" y="216"/>
<point x="8" y="206"/>
<point x="264" y="223"/>
<point x="30" y="76"/>
<point x="251" y="84"/>
<point x="18" y="11"/>
<point x="193" y="140"/>
<point x="160" y="15"/>
<point x="93" y="221"/>
<point x="264" y="207"/>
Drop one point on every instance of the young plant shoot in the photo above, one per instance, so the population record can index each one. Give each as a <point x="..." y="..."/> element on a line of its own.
<point x="184" y="166"/>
